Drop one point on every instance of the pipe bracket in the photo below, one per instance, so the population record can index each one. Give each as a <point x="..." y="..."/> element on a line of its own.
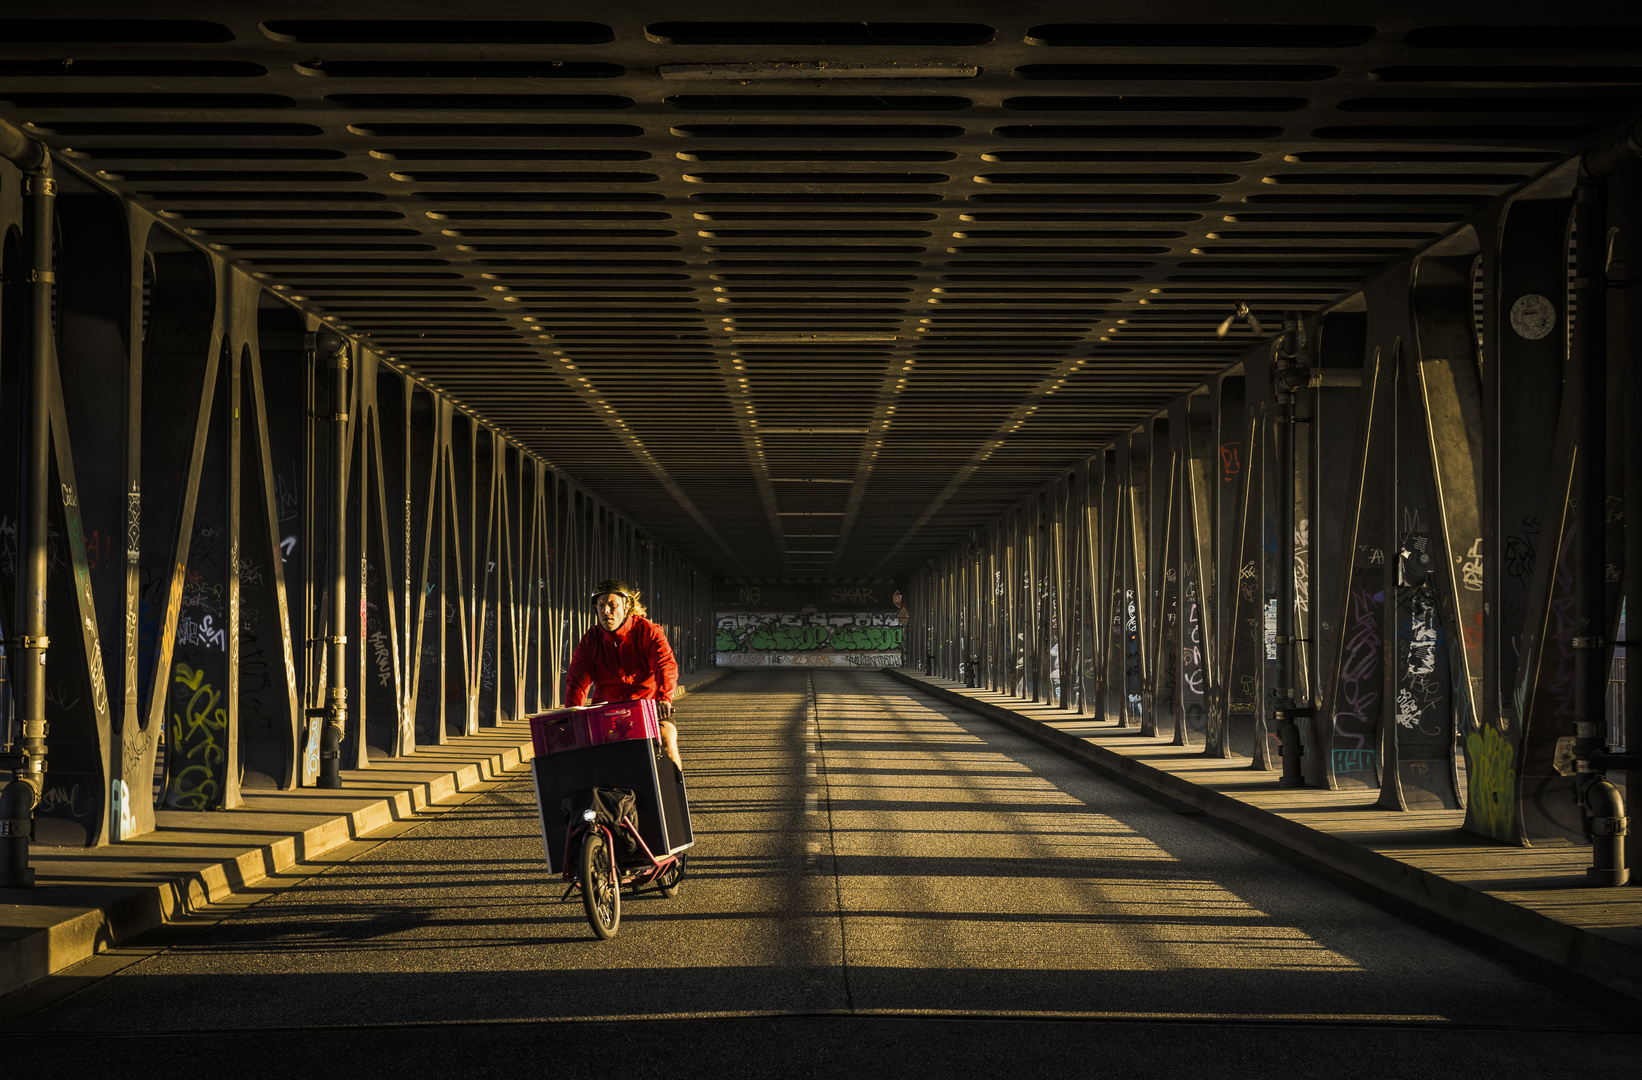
<point x="1610" y="826"/>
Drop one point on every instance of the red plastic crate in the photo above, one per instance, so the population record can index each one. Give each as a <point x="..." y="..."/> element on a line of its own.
<point x="614" y="721"/>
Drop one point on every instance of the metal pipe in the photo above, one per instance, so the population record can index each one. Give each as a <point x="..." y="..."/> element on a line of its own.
<point x="25" y="153"/>
<point x="330" y="743"/>
<point x="1608" y="830"/>
<point x="1629" y="295"/>
<point x="1588" y="350"/>
<point x="1618" y="146"/>
<point x="1291" y="374"/>
<point x="22" y="795"/>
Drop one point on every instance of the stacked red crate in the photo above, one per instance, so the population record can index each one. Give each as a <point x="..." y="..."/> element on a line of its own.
<point x="613" y="721"/>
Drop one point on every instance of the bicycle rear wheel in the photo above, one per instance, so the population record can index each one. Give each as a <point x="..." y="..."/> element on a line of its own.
<point x="601" y="889"/>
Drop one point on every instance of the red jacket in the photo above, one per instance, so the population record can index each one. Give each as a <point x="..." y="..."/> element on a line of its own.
<point x="633" y="662"/>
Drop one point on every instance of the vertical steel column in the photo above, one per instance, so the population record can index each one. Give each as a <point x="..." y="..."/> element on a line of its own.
<point x="1601" y="798"/>
<point x="28" y="760"/>
<point x="1109" y="537"/>
<point x="1290" y="375"/>
<point x="972" y="607"/>
<point x="1137" y="598"/>
<point x="1065" y="638"/>
<point x="994" y="606"/>
<point x="1166" y="637"/>
<point x="1589" y="346"/>
<point x="1225" y="509"/>
<point x="1627" y="218"/>
<point x="330" y="745"/>
<point x="1031" y="567"/>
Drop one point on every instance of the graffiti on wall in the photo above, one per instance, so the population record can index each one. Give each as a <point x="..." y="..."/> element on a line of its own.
<point x="1492" y="778"/>
<point x="198" y="738"/>
<point x="860" y="639"/>
<point x="819" y="659"/>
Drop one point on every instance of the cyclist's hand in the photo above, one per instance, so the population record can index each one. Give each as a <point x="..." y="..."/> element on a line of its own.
<point x="664" y="709"/>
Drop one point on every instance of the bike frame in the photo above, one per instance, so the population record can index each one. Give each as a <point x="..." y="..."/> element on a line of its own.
<point x="631" y="875"/>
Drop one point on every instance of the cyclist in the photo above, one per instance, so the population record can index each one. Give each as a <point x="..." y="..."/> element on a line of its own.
<point x="624" y="657"/>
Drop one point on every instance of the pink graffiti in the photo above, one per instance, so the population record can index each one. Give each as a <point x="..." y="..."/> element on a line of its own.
<point x="1360" y="671"/>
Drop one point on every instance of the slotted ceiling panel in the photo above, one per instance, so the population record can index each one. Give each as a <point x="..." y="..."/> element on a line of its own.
<point x="814" y="294"/>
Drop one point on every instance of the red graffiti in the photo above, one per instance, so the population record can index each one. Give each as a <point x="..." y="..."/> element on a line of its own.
<point x="1473" y="641"/>
<point x="1231" y="460"/>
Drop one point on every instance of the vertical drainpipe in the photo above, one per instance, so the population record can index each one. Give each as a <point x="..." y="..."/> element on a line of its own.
<point x="330" y="743"/>
<point x="1620" y="268"/>
<point x="1290" y="376"/>
<point x="27" y="761"/>
<point x="1601" y="799"/>
<point x="1589" y="346"/>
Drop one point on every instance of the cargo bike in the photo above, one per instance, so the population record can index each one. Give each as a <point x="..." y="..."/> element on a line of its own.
<point x="614" y="809"/>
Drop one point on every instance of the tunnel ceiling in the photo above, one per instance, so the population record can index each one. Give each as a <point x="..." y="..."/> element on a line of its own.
<point x="815" y="297"/>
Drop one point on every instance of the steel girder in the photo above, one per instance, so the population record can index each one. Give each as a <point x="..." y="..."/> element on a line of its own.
<point x="187" y="592"/>
<point x="1433" y="553"/>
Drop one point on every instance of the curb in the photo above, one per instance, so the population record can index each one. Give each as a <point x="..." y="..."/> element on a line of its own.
<point x="77" y="931"/>
<point x="74" y="935"/>
<point x="1603" y="960"/>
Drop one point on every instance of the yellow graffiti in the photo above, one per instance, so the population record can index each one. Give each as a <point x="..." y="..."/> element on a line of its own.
<point x="194" y="739"/>
<point x="1490" y="767"/>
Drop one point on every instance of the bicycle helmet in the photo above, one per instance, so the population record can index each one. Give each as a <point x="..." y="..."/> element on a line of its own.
<point x="614" y="585"/>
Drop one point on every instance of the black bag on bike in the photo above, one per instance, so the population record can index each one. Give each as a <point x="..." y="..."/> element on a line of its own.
<point x="609" y="806"/>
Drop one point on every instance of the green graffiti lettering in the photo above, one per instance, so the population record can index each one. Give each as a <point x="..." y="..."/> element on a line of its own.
<point x="867" y="638"/>
<point x="813" y="637"/>
<point x="197" y="736"/>
<point x="800" y="638"/>
<point x="1490" y="767"/>
<point x="848" y="639"/>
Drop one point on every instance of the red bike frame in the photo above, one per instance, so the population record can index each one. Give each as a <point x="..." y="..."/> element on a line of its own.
<point x="631" y="875"/>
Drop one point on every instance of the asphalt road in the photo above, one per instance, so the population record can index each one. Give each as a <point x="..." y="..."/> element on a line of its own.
<point x="881" y="885"/>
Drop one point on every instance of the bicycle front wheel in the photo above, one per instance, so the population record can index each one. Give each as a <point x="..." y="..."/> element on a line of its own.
<point x="601" y="889"/>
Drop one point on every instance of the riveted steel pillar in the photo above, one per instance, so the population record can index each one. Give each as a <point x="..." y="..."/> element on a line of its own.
<point x="1592" y="649"/>
<point x="1165" y="682"/>
<point x="1245" y="648"/>
<point x="1525" y="346"/>
<point x="1199" y="665"/>
<point x="1625" y="300"/>
<point x="1223" y="505"/>
<point x="1141" y="570"/>
<point x="1290" y="375"/>
<point x="330" y="744"/>
<point x="18" y="800"/>
<point x="28" y="760"/>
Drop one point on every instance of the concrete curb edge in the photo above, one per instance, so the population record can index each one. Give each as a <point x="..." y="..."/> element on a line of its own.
<point x="34" y="956"/>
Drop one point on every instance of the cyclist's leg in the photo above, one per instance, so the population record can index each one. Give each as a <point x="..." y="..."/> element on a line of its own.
<point x="669" y="742"/>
